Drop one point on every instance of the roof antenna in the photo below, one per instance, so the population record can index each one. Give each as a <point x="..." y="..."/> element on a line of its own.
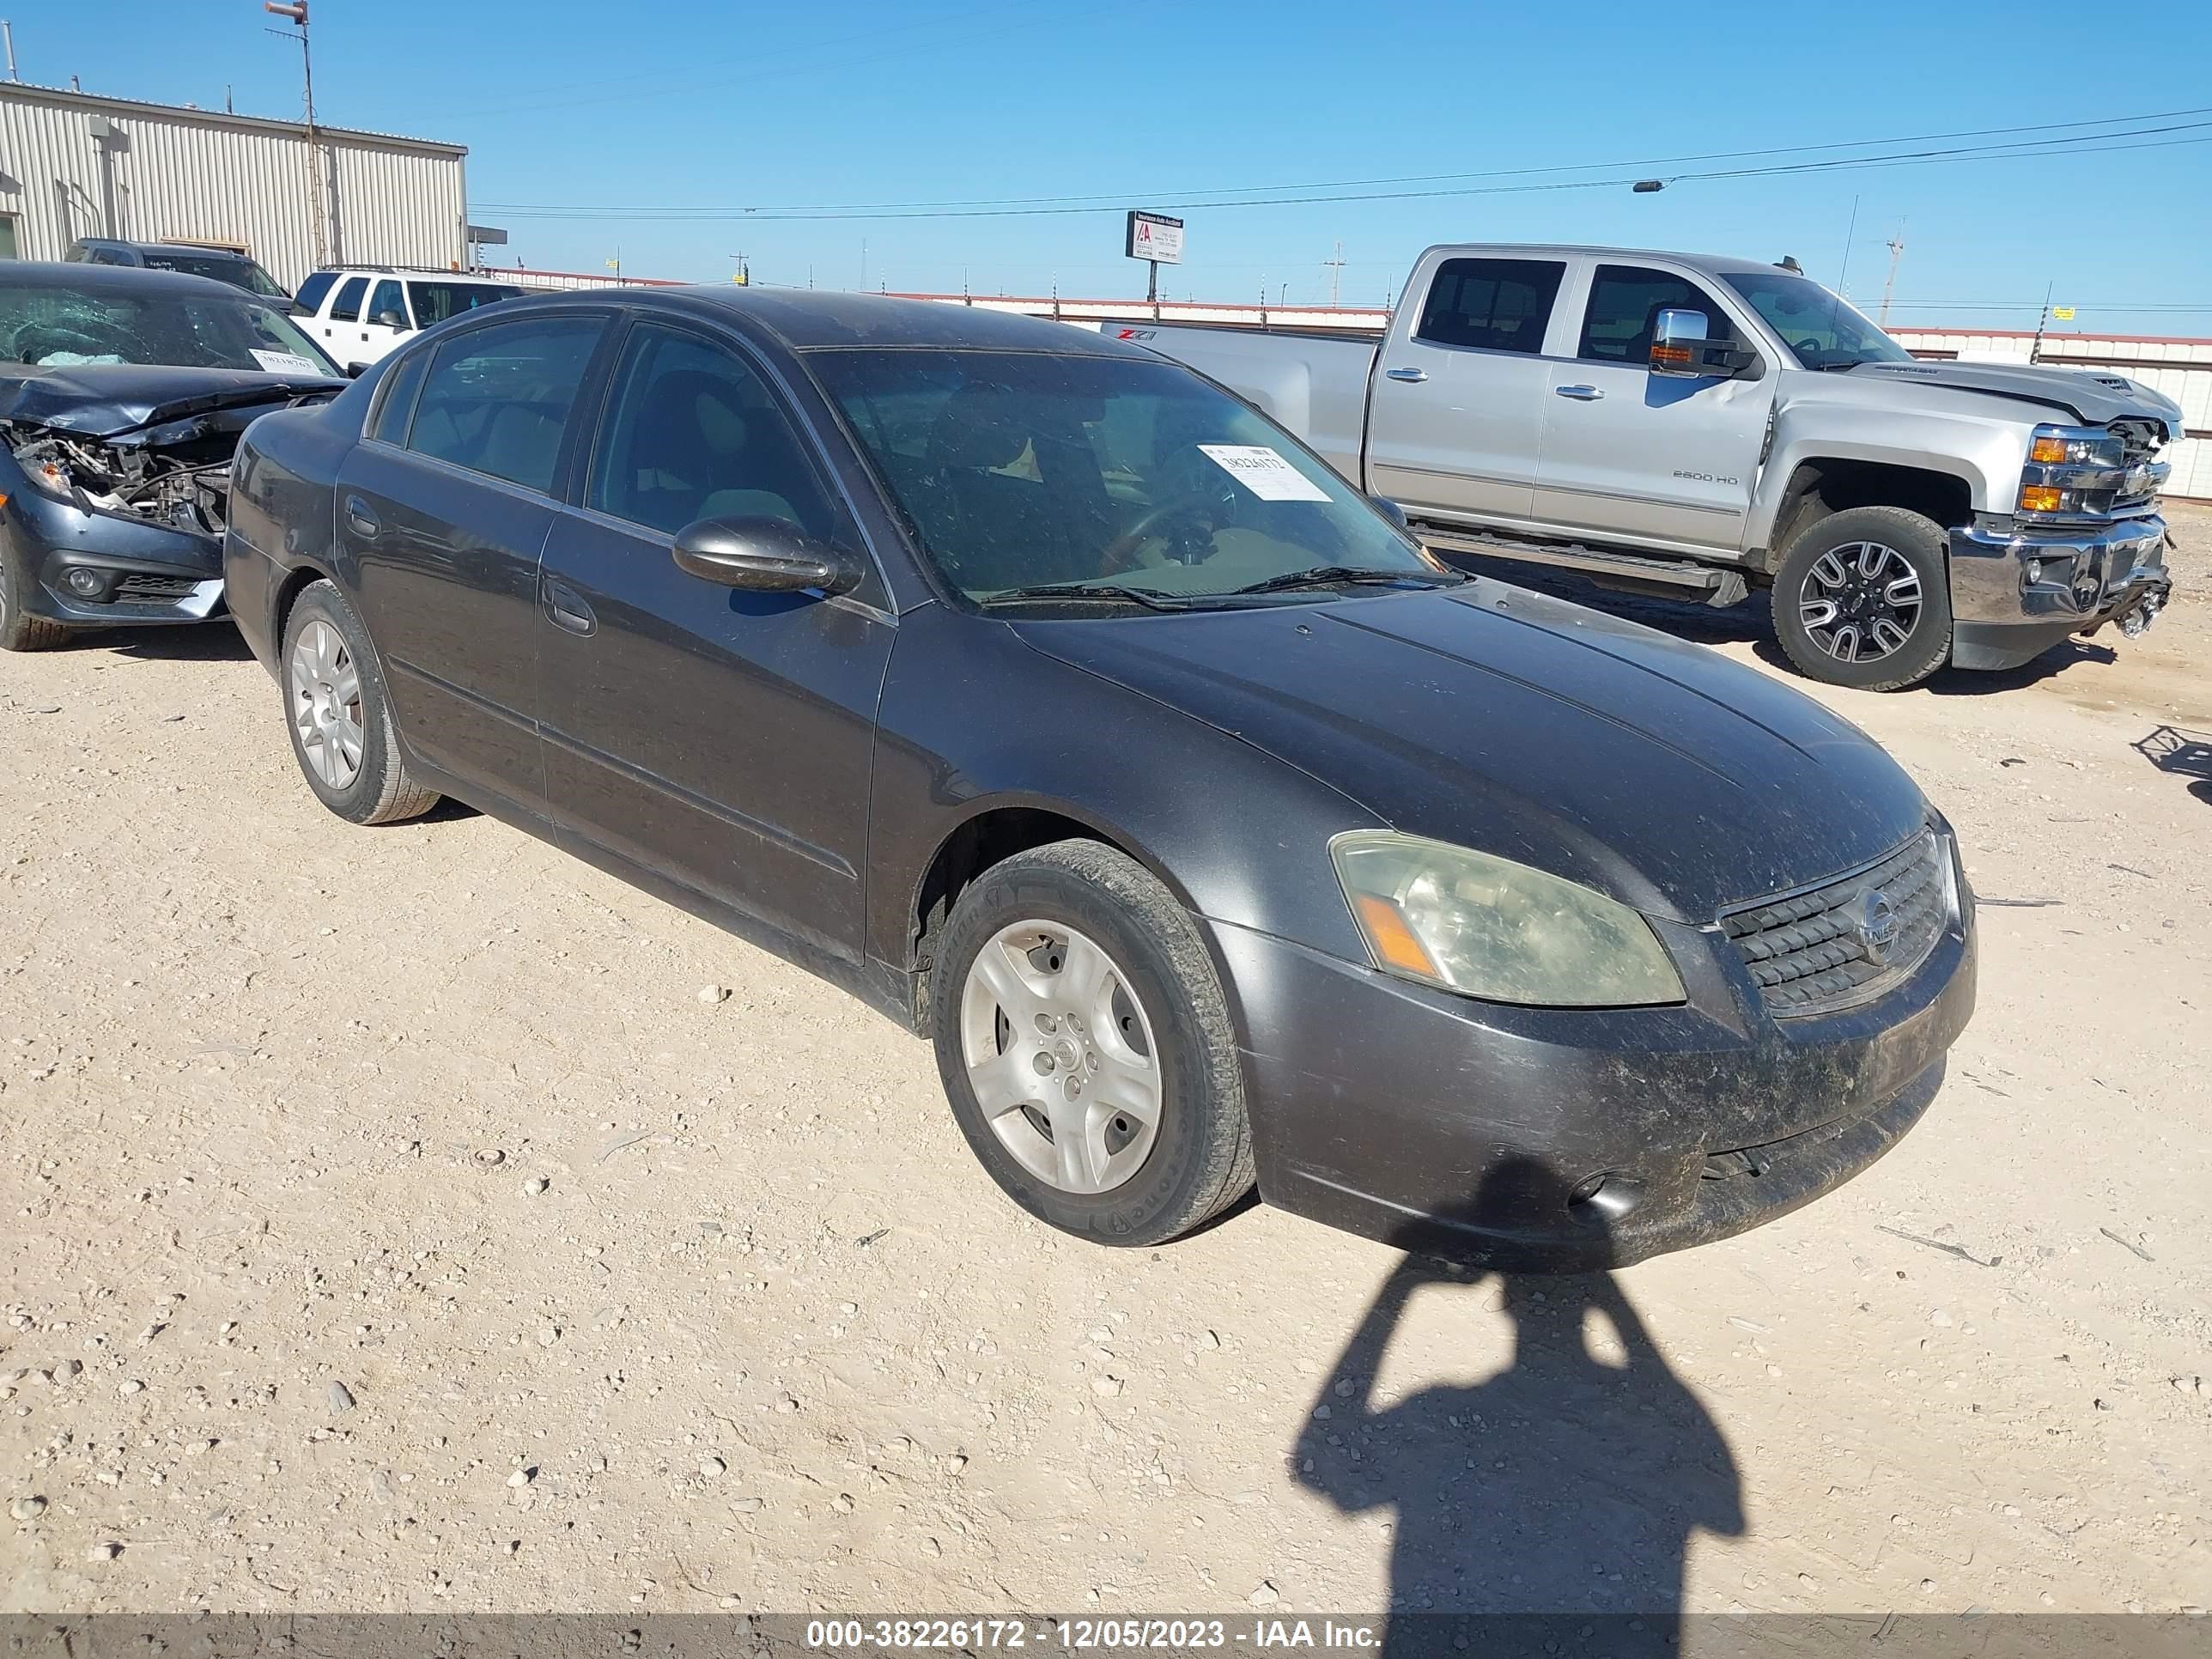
<point x="1789" y="262"/>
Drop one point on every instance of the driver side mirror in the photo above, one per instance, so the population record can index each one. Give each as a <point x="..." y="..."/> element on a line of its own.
<point x="764" y="556"/>
<point x="389" y="318"/>
<point x="1679" y="348"/>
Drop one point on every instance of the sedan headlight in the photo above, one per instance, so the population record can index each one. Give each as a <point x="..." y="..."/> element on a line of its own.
<point x="1489" y="928"/>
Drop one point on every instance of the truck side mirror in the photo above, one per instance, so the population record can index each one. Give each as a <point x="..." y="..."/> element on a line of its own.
<point x="1679" y="348"/>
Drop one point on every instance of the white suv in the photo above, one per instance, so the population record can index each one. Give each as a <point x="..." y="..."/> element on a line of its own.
<point x="359" y="312"/>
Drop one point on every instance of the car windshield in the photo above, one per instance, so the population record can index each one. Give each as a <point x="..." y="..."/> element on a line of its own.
<point x="59" y="327"/>
<point x="435" y="301"/>
<point x="1022" y="471"/>
<point x="233" y="267"/>
<point x="1820" y="327"/>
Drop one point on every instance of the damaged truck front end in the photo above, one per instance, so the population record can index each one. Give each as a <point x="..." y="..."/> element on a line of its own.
<point x="112" y="498"/>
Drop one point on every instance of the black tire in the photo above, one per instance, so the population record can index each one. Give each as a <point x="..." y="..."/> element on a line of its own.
<point x="379" y="790"/>
<point x="20" y="631"/>
<point x="1800" y="580"/>
<point x="1200" y="1161"/>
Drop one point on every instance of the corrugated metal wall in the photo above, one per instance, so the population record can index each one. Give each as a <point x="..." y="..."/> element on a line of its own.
<point x="168" y="174"/>
<point x="2182" y="369"/>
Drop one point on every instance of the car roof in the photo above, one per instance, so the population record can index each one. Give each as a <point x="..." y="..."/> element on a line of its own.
<point x="108" y="279"/>
<point x="415" y="274"/>
<point x="1720" y="265"/>
<point x="813" y="319"/>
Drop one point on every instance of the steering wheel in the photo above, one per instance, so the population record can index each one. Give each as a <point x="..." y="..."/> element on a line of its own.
<point x="1809" y="348"/>
<point x="1190" y="540"/>
<point x="35" y="341"/>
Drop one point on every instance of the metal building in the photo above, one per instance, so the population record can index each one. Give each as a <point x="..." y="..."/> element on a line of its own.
<point x="73" y="164"/>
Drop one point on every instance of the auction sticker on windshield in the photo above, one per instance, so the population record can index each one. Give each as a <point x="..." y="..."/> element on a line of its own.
<point x="1264" y="472"/>
<point x="284" y="363"/>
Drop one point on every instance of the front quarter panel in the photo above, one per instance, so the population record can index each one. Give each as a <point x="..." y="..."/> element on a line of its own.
<point x="974" y="719"/>
<point x="1829" y="417"/>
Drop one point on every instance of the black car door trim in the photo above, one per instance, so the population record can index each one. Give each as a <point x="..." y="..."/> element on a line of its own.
<point x="727" y="814"/>
<point x="474" y="699"/>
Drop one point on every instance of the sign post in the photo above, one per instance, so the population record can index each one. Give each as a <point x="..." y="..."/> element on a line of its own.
<point x="1158" y="240"/>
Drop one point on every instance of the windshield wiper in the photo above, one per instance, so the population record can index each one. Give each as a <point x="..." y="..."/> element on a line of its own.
<point x="1335" y="575"/>
<point x="1082" y="591"/>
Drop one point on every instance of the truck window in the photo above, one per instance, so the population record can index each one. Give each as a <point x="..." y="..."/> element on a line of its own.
<point x="1624" y="304"/>
<point x="309" y="300"/>
<point x="1495" y="305"/>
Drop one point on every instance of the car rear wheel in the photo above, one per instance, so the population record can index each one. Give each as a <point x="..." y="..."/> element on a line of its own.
<point x="1862" y="599"/>
<point x="335" y="710"/>
<point x="19" y="630"/>
<point x="1084" y="1043"/>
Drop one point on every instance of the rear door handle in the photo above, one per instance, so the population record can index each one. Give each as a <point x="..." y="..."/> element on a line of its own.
<point x="1411" y="376"/>
<point x="1581" y="394"/>
<point x="566" y="606"/>
<point x="359" y="519"/>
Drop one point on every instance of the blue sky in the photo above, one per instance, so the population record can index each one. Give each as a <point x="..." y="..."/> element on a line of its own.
<point x="691" y="104"/>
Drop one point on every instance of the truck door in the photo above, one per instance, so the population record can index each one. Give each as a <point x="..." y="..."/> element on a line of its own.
<point x="1642" y="458"/>
<point x="1459" y="398"/>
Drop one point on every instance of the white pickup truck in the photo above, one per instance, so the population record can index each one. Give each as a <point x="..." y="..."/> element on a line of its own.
<point x="1684" y="425"/>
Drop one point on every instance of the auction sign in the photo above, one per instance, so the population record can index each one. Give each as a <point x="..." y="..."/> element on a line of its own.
<point x="1156" y="237"/>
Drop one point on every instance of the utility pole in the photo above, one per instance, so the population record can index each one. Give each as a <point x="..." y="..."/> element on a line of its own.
<point x="1335" y="275"/>
<point x="297" y="11"/>
<point x="2035" y="348"/>
<point x="743" y="275"/>
<point x="1889" y="283"/>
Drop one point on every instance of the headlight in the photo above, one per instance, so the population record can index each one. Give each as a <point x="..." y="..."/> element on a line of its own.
<point x="1489" y="928"/>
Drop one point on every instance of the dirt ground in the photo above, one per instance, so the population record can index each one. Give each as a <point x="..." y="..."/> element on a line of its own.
<point x="394" y="1224"/>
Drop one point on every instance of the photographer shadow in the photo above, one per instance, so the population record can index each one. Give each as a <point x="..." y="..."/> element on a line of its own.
<point x="1562" y="1490"/>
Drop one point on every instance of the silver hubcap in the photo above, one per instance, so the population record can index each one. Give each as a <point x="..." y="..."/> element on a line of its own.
<point x="326" y="704"/>
<point x="1060" y="1056"/>
<point x="1860" y="602"/>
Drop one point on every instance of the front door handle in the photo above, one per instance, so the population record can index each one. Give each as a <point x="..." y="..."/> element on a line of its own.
<point x="1581" y="394"/>
<point x="1411" y="376"/>
<point x="359" y="519"/>
<point x="566" y="606"/>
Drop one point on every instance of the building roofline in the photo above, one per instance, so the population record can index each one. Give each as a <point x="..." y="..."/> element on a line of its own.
<point x="99" y="102"/>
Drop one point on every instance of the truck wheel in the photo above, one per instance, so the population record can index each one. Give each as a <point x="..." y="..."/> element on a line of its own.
<point x="334" y="703"/>
<point x="1862" y="599"/>
<point x="1086" y="1045"/>
<point x="20" y="631"/>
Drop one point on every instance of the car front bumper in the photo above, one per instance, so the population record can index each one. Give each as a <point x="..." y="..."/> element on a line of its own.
<point x="141" y="572"/>
<point x="2016" y="592"/>
<point x="1441" y="1124"/>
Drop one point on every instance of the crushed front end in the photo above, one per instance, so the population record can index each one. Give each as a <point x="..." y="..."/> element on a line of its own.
<point x="120" y="528"/>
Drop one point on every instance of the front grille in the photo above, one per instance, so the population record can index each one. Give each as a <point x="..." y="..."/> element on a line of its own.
<point x="2142" y="437"/>
<point x="1849" y="940"/>
<point x="155" y="590"/>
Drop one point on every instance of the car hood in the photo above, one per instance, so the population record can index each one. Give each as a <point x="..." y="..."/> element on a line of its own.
<point x="2091" y="397"/>
<point x="1655" y="771"/>
<point x="112" y="400"/>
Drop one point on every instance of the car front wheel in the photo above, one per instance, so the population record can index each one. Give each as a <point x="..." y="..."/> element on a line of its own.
<point x="19" y="629"/>
<point x="1862" y="599"/>
<point x="335" y="710"/>
<point x="1084" y="1043"/>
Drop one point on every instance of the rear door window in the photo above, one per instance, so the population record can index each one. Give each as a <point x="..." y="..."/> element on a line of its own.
<point x="1492" y="305"/>
<point x="497" y="400"/>
<point x="309" y="299"/>
<point x="346" y="308"/>
<point x="395" y="398"/>
<point x="1623" y="309"/>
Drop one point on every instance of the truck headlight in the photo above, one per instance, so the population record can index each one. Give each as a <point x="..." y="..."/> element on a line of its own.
<point x="1489" y="928"/>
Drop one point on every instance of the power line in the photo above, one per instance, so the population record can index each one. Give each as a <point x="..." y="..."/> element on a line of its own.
<point x="1188" y="198"/>
<point x="2087" y="144"/>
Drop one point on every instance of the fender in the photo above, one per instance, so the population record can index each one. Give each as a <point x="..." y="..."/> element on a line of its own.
<point x="1965" y="437"/>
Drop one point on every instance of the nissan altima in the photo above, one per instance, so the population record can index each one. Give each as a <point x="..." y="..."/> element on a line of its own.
<point x="1055" y="703"/>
